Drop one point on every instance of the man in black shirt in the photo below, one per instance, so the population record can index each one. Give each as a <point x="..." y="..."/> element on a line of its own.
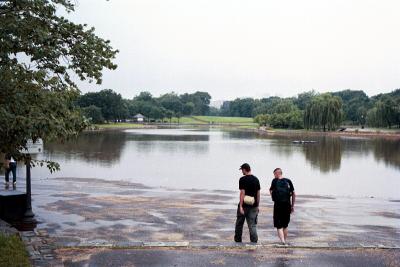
<point x="283" y="195"/>
<point x="249" y="187"/>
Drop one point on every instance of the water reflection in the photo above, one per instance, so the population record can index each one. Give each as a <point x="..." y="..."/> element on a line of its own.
<point x="325" y="155"/>
<point x="387" y="151"/>
<point x="209" y="159"/>
<point x="105" y="147"/>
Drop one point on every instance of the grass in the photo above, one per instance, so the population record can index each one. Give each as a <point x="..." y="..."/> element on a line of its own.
<point x="13" y="252"/>
<point x="187" y="120"/>
<point x="201" y="120"/>
<point x="219" y="119"/>
<point x="118" y="125"/>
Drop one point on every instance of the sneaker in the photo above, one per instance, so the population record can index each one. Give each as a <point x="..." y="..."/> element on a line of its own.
<point x="14" y="184"/>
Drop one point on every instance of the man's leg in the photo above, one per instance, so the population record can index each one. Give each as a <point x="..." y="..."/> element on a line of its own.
<point x="285" y="233"/>
<point x="7" y="175"/>
<point x="251" y="223"/>
<point x="239" y="226"/>
<point x="14" y="172"/>
<point x="281" y="235"/>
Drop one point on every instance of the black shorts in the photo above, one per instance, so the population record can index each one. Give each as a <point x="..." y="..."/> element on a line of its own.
<point x="282" y="214"/>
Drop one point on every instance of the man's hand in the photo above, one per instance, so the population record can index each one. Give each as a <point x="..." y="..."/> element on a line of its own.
<point x="292" y="210"/>
<point x="241" y="210"/>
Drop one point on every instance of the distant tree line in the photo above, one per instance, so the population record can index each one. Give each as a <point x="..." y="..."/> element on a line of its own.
<point x="319" y="111"/>
<point x="310" y="110"/>
<point x="108" y="105"/>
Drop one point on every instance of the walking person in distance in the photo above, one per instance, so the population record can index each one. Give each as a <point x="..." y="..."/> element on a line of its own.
<point x="10" y="166"/>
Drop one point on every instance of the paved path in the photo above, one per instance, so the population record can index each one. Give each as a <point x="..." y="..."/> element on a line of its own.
<point x="78" y="211"/>
<point x="94" y="222"/>
<point x="228" y="257"/>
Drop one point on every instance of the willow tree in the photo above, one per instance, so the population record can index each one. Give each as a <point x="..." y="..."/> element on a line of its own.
<point x="40" y="52"/>
<point x="324" y="111"/>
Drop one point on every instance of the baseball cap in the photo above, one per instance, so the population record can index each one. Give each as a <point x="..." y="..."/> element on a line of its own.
<point x="245" y="166"/>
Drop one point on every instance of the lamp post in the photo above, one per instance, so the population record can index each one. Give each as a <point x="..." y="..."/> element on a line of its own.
<point x="29" y="222"/>
<point x="28" y="215"/>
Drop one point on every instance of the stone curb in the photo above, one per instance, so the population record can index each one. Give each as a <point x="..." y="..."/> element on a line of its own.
<point x="41" y="252"/>
<point x="199" y="245"/>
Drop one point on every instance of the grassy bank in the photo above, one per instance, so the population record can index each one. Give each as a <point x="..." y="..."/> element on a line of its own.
<point x="218" y="119"/>
<point x="12" y="252"/>
<point x="189" y="120"/>
<point x="118" y="125"/>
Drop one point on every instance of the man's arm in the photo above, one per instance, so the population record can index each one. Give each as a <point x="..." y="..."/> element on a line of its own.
<point x="241" y="199"/>
<point x="293" y="200"/>
<point x="271" y="189"/>
<point x="258" y="198"/>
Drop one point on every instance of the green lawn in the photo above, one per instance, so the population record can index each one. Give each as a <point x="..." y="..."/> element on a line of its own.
<point x="119" y="125"/>
<point x="187" y="120"/>
<point x="13" y="252"/>
<point x="218" y="119"/>
<point x="213" y="119"/>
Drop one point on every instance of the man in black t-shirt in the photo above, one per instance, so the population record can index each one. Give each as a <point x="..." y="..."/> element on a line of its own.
<point x="249" y="200"/>
<point x="284" y="197"/>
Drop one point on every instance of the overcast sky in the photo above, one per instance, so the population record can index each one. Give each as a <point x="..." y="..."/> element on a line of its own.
<point x="251" y="48"/>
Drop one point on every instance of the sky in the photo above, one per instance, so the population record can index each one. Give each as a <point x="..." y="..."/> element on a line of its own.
<point x="253" y="48"/>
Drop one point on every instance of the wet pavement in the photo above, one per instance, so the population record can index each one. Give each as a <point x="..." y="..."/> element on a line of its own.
<point x="94" y="222"/>
<point x="85" y="212"/>
<point x="223" y="257"/>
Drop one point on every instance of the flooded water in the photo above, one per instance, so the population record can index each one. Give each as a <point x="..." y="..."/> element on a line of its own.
<point x="210" y="158"/>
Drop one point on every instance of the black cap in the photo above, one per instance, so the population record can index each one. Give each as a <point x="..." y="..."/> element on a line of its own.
<point x="245" y="166"/>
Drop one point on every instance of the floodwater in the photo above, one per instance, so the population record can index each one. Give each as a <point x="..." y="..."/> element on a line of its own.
<point x="210" y="158"/>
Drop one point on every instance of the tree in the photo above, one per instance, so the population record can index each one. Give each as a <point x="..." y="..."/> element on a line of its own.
<point x="156" y="113"/>
<point x="113" y="107"/>
<point x="323" y="112"/>
<point x="93" y="114"/>
<point x="283" y="106"/>
<point x="386" y="111"/>
<point x="188" y="108"/>
<point x="241" y="107"/>
<point x="172" y="102"/>
<point x="262" y="119"/>
<point x="303" y="99"/>
<point x="39" y="50"/>
<point x="144" y="96"/>
<point x="200" y="100"/>
<point x="169" y="114"/>
<point x="352" y="100"/>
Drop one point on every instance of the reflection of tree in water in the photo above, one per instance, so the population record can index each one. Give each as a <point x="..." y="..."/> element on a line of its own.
<point x="161" y="137"/>
<point x="104" y="146"/>
<point x="170" y="143"/>
<point x="388" y="151"/>
<point x="326" y="154"/>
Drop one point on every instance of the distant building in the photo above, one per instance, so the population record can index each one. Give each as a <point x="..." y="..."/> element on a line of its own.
<point x="139" y="118"/>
